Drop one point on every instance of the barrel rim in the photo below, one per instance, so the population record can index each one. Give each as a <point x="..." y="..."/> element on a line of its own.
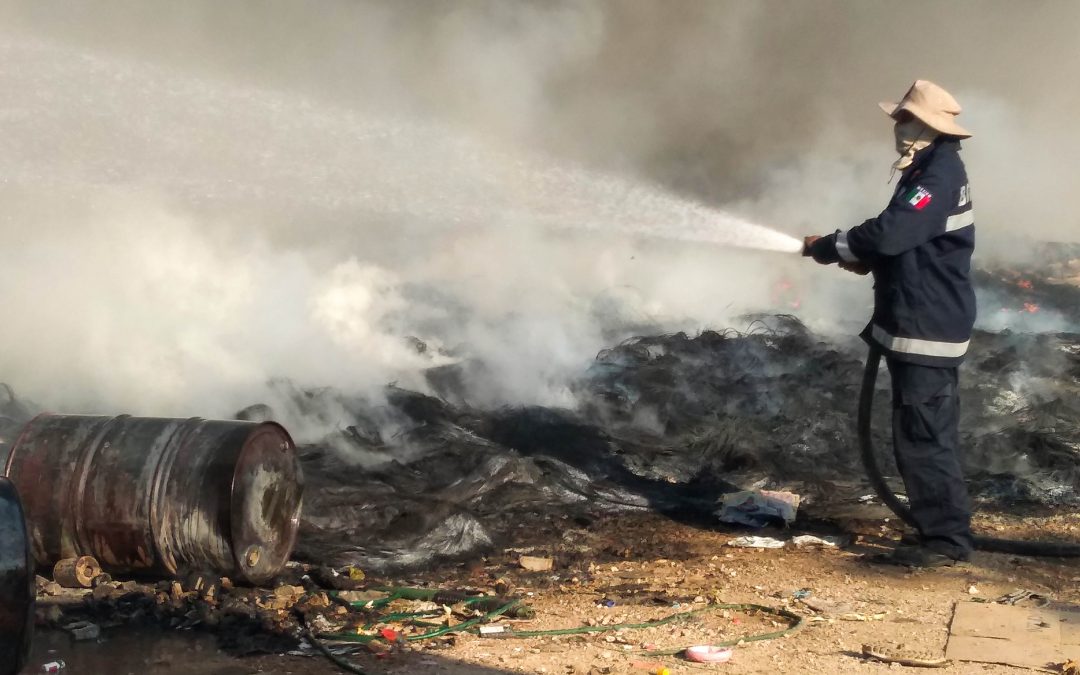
<point x="239" y="545"/>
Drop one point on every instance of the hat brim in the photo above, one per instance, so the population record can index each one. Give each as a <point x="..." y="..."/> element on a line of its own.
<point x="888" y="107"/>
<point x="941" y="123"/>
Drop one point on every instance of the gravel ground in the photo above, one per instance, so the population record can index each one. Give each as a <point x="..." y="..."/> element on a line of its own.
<point x="646" y="564"/>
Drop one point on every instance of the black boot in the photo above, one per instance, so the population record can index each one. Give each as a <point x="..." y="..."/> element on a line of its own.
<point x="916" y="556"/>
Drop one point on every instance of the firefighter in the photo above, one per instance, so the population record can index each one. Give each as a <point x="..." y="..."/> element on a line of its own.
<point x="919" y="252"/>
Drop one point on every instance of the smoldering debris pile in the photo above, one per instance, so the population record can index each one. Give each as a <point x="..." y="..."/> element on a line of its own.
<point x="670" y="423"/>
<point x="1045" y="299"/>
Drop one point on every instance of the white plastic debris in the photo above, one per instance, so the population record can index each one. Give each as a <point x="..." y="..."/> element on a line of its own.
<point x="808" y="540"/>
<point x="757" y="542"/>
<point x="758" y="508"/>
<point x="536" y="564"/>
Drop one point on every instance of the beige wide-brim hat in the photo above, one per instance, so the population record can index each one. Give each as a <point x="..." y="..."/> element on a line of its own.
<point x="933" y="105"/>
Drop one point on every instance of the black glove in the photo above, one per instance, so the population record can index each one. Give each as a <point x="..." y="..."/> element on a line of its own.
<point x="819" y="248"/>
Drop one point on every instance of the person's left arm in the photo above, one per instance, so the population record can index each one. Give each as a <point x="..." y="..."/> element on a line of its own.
<point x="914" y="216"/>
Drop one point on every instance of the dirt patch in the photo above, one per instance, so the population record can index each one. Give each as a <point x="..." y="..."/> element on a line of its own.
<point x="641" y="567"/>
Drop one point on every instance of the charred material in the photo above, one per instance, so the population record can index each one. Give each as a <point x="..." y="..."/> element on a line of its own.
<point x="670" y="423"/>
<point x="157" y="495"/>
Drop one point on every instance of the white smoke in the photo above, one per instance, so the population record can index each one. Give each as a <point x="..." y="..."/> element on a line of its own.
<point x="200" y="197"/>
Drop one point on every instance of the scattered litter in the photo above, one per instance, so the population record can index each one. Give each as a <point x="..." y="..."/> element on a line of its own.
<point x="607" y="602"/>
<point x="903" y="656"/>
<point x="203" y="585"/>
<point x="356" y="574"/>
<point x="495" y="629"/>
<point x="320" y="624"/>
<point x="53" y="666"/>
<point x="756" y="542"/>
<point x="283" y="597"/>
<point x="83" y="630"/>
<point x="536" y="564"/>
<point x="808" y="540"/>
<point x="802" y="594"/>
<point x="1070" y="667"/>
<point x="76" y="572"/>
<point x="708" y="654"/>
<point x="47" y="587"/>
<point x="360" y="596"/>
<point x="331" y="579"/>
<point x="855" y="616"/>
<point x="1021" y="595"/>
<point x="390" y="635"/>
<point x="758" y="508"/>
<point x="973" y="590"/>
<point x="826" y="606"/>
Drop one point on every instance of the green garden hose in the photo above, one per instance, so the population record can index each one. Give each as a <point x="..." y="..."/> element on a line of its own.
<point x="795" y="622"/>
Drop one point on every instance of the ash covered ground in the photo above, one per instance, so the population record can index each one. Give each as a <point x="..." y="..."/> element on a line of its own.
<point x="671" y="422"/>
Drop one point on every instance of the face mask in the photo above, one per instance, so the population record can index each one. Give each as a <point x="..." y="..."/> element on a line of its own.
<point x="911" y="137"/>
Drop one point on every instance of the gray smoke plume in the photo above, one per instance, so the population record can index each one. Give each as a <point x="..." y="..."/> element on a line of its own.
<point x="201" y="196"/>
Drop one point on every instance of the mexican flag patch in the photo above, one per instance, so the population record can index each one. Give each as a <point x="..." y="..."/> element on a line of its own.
<point x="919" y="197"/>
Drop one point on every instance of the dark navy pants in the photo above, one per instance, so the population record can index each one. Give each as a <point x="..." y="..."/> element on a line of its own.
<point x="926" y="440"/>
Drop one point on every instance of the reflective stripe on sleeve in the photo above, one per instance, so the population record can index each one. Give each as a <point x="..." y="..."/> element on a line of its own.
<point x="916" y="346"/>
<point x="843" y="250"/>
<point x="953" y="223"/>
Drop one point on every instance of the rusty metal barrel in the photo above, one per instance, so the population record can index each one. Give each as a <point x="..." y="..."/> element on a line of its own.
<point x="158" y="495"/>
<point x="16" y="583"/>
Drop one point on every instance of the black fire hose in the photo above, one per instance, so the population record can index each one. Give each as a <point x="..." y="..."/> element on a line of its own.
<point x="873" y="472"/>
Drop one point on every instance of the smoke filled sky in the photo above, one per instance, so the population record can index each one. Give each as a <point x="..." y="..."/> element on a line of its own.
<point x="707" y="97"/>
<point x="200" y="196"/>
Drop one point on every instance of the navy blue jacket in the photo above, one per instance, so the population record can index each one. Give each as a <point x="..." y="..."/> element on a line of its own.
<point x="919" y="250"/>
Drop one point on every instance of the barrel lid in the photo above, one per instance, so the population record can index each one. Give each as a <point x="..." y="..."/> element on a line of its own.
<point x="267" y="494"/>
<point x="16" y="582"/>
